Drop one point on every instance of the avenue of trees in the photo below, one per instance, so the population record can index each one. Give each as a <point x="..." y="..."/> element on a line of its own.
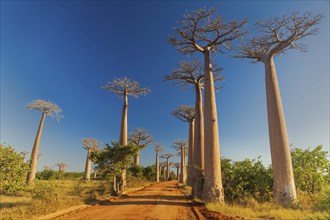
<point x="213" y="179"/>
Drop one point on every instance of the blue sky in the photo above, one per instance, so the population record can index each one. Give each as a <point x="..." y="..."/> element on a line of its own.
<point x="64" y="51"/>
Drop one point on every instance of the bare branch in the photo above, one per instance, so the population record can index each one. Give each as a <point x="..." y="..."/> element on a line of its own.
<point x="140" y="138"/>
<point x="278" y="35"/>
<point x="125" y="86"/>
<point x="184" y="113"/>
<point x="202" y="30"/>
<point x="47" y="107"/>
<point x="90" y="144"/>
<point x="158" y="147"/>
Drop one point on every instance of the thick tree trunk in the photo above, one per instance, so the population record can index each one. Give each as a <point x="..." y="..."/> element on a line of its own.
<point x="123" y="139"/>
<point x="164" y="173"/>
<point x="190" y="152"/>
<point x="167" y="170"/>
<point x="213" y="190"/>
<point x="137" y="158"/>
<point x="157" y="167"/>
<point x="178" y="173"/>
<point x="34" y="155"/>
<point x="182" y="174"/>
<point x="198" y="160"/>
<point x="284" y="190"/>
<point x="87" y="175"/>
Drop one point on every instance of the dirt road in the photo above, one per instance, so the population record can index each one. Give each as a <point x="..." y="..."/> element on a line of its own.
<point x="159" y="201"/>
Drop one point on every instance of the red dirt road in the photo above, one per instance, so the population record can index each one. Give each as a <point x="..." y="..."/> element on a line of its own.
<point x="159" y="201"/>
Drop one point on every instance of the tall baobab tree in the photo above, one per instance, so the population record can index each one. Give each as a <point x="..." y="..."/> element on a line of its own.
<point x="124" y="87"/>
<point x="140" y="138"/>
<point x="162" y="166"/>
<point x="276" y="36"/>
<point x="49" y="109"/>
<point x="187" y="114"/>
<point x="158" y="148"/>
<point x="167" y="157"/>
<point x="181" y="146"/>
<point x="178" y="173"/>
<point x="204" y="32"/>
<point x="61" y="166"/>
<point x="90" y="144"/>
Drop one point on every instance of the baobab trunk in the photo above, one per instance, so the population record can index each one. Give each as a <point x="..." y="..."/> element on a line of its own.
<point x="178" y="173"/>
<point x="123" y="139"/>
<point x="284" y="190"/>
<point x="190" y="151"/>
<point x="198" y="160"/>
<point x="157" y="167"/>
<point x="167" y="170"/>
<point x="87" y="175"/>
<point x="137" y="158"/>
<point x="182" y="174"/>
<point x="213" y="190"/>
<point x="34" y="156"/>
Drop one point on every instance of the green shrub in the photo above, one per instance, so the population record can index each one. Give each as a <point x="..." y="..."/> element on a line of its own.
<point x="13" y="170"/>
<point x="45" y="190"/>
<point x="322" y="202"/>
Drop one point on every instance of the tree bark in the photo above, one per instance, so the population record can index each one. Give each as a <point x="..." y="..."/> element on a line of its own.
<point x="167" y="170"/>
<point x="157" y="167"/>
<point x="123" y="139"/>
<point x="178" y="174"/>
<point x="137" y="158"/>
<point x="284" y="190"/>
<point x="198" y="160"/>
<point x="182" y="176"/>
<point x="34" y="155"/>
<point x="87" y="175"/>
<point x="213" y="190"/>
<point x="190" y="152"/>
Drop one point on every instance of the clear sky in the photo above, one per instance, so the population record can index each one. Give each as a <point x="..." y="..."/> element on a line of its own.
<point x="64" y="51"/>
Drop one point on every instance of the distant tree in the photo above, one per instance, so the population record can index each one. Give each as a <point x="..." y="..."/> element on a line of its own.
<point x="124" y="87"/>
<point x="162" y="170"/>
<point x="275" y="36"/>
<point x="13" y="170"/>
<point x="187" y="114"/>
<point x="46" y="174"/>
<point x="149" y="172"/>
<point x="89" y="144"/>
<point x="158" y="148"/>
<point x="181" y="147"/>
<point x="177" y="166"/>
<point x="140" y="138"/>
<point x="203" y="32"/>
<point x="47" y="109"/>
<point x="167" y="157"/>
<point x="311" y="169"/>
<point x="61" y="166"/>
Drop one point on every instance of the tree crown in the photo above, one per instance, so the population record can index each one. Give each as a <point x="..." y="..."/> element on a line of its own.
<point x="184" y="113"/>
<point x="124" y="86"/>
<point x="140" y="138"/>
<point x="277" y="35"/>
<point x="90" y="144"/>
<point x="46" y="107"/>
<point x="203" y="31"/>
<point x="158" y="147"/>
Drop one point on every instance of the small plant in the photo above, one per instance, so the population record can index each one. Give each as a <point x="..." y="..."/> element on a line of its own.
<point x="45" y="191"/>
<point x="322" y="203"/>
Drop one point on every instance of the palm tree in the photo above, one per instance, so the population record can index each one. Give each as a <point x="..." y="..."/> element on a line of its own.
<point x="124" y="87"/>
<point x="47" y="109"/>
<point x="277" y="36"/>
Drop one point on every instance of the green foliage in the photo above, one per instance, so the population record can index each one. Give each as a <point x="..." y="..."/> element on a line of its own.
<point x="114" y="158"/>
<point x="136" y="170"/>
<point x="46" y="174"/>
<point x="45" y="190"/>
<point x="245" y="179"/>
<point x="322" y="203"/>
<point x="311" y="169"/>
<point x="149" y="173"/>
<point x="13" y="170"/>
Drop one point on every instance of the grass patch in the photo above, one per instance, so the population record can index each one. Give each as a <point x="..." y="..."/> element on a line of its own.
<point x="254" y="210"/>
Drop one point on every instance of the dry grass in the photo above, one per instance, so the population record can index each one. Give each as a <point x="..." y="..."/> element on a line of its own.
<point x="255" y="210"/>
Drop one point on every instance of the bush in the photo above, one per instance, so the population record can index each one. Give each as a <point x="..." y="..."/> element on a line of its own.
<point x="45" y="190"/>
<point x="13" y="170"/>
<point x="322" y="203"/>
<point x="46" y="174"/>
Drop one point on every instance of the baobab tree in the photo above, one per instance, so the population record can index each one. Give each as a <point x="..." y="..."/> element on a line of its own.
<point x="61" y="166"/>
<point x="49" y="109"/>
<point x="204" y="32"/>
<point x="178" y="173"/>
<point x="181" y="146"/>
<point x="140" y="139"/>
<point x="124" y="87"/>
<point x="162" y="166"/>
<point x="167" y="157"/>
<point x="187" y="114"/>
<point x="90" y="144"/>
<point x="158" y="148"/>
<point x="276" y="36"/>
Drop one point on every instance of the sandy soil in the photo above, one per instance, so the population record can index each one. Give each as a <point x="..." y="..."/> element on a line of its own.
<point x="159" y="201"/>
